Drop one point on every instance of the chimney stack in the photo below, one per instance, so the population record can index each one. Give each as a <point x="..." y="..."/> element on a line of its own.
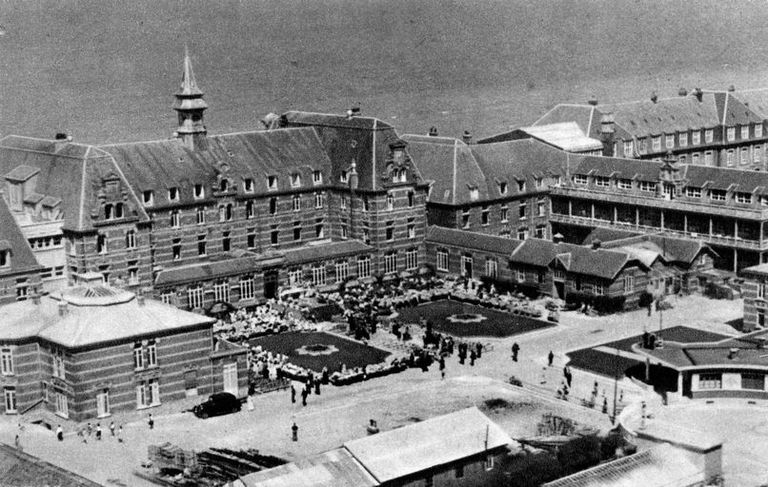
<point x="596" y="243"/>
<point x="60" y="141"/>
<point x="592" y="100"/>
<point x="698" y="94"/>
<point x="607" y="131"/>
<point x="63" y="308"/>
<point x="654" y="97"/>
<point x="353" y="112"/>
<point x="557" y="238"/>
<point x="732" y="353"/>
<point x="682" y="92"/>
<point x="731" y="88"/>
<point x="467" y="137"/>
<point x="433" y="131"/>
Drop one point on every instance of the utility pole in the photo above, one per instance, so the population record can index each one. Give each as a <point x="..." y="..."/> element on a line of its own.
<point x="615" y="388"/>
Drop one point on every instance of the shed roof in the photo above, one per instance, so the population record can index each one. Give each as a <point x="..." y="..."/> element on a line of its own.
<point x="437" y="441"/>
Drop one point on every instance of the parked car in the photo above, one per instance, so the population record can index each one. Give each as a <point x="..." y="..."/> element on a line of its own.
<point x="217" y="404"/>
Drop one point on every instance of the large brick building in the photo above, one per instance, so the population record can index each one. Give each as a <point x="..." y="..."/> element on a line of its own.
<point x="19" y="270"/>
<point x="205" y="218"/>
<point x="91" y="350"/>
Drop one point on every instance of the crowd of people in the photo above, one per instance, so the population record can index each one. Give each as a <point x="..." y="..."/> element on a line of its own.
<point x="276" y="316"/>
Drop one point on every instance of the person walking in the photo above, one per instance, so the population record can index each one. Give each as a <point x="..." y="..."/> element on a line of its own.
<point x="295" y="432"/>
<point x="304" y="395"/>
<point x="98" y="431"/>
<point x="550" y="358"/>
<point x="112" y="428"/>
<point x="120" y="434"/>
<point x="151" y="422"/>
<point x="479" y="348"/>
<point x="472" y="357"/>
<point x="59" y="433"/>
<point x="515" y="350"/>
<point x="293" y="394"/>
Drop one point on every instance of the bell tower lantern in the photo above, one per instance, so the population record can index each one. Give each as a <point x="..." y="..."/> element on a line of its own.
<point x="190" y="107"/>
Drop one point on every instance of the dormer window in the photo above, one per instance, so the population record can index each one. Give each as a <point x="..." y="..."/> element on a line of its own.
<point x="112" y="212"/>
<point x="399" y="175"/>
<point x="173" y="194"/>
<point x="624" y="183"/>
<point x="5" y="258"/>
<point x="248" y="185"/>
<point x="295" y="180"/>
<point x="272" y="183"/>
<point x="224" y="185"/>
<point x="474" y="194"/>
<point x="580" y="179"/>
<point x="344" y="176"/>
<point x="199" y="191"/>
<point x="730" y="134"/>
<point x="718" y="195"/>
<point x="744" y="132"/>
<point x="758" y="130"/>
<point x="744" y="198"/>
<point x="148" y="198"/>
<point x="521" y="186"/>
<point x="602" y="181"/>
<point x="503" y="187"/>
<point x="537" y="182"/>
<point x="317" y="177"/>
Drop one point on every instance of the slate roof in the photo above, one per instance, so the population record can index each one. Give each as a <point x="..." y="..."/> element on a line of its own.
<point x="362" y="140"/>
<point x="668" y="115"/>
<point x="471" y="240"/>
<point x="11" y="237"/>
<point x="671" y="249"/>
<point x="20" y="469"/>
<point x="456" y="168"/>
<point x="639" y="169"/>
<point x="724" y="178"/>
<point x="756" y="100"/>
<point x="159" y="165"/>
<point x="69" y="172"/>
<point x="334" y="468"/>
<point x="436" y="441"/>
<point x="92" y="322"/>
<point x="659" y="466"/>
<point x="607" y="234"/>
<point x="603" y="263"/>
<point x="325" y="250"/>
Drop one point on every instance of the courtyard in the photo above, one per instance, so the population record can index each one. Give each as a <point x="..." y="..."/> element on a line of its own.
<point x="469" y="320"/>
<point x="318" y="350"/>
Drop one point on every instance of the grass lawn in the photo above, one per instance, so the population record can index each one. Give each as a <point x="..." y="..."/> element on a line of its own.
<point x="351" y="353"/>
<point x="608" y="364"/>
<point x="495" y="324"/>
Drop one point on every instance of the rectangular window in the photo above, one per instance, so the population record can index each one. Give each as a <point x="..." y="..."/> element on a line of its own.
<point x="692" y="192"/>
<point x="624" y="183"/>
<point x="319" y="197"/>
<point x="489" y="462"/>
<point x="221" y="291"/>
<point x="756" y="152"/>
<point x="682" y="139"/>
<point x="710" y="381"/>
<point x="273" y="205"/>
<point x="669" y="141"/>
<point x="541" y="207"/>
<point x="520" y="275"/>
<point x="411" y="231"/>
<point x="317" y="177"/>
<point x="226" y="241"/>
<point x="390" y="230"/>
<point x="744" y="155"/>
<point x="343" y="202"/>
<point x="647" y="186"/>
<point x="138" y="356"/>
<point x="344" y="176"/>
<point x="709" y="136"/>
<point x="744" y="132"/>
<point x="390" y="262"/>
<point x="247" y="290"/>
<point x="541" y="231"/>
<point x="717" y="195"/>
<point x="199" y="191"/>
<point x="503" y="188"/>
<point x="411" y="259"/>
<point x="364" y="267"/>
<point x="459" y="471"/>
<point x="148" y="393"/>
<point x="758" y="130"/>
<point x="296" y="231"/>
<point x="390" y="202"/>
<point x="248" y="185"/>
<point x="522" y="233"/>
<point x="175" y="219"/>
<point x="465" y="218"/>
<point x="200" y="213"/>
<point x="152" y="354"/>
<point x="133" y="272"/>
<point x="580" y="179"/>
<point x="342" y="271"/>
<point x="272" y="183"/>
<point x="130" y="239"/>
<point x="656" y="143"/>
<point x="294" y="277"/>
<point x="10" y="400"/>
<point x="761" y="291"/>
<point x="484" y="215"/>
<point x="602" y="181"/>
<point x="249" y="210"/>
<point x="442" y="260"/>
<point x="521" y="211"/>
<point x="344" y="231"/>
<point x="695" y="159"/>
<point x="753" y="381"/>
<point x="101" y="244"/>
<point x="730" y="134"/>
<point x="491" y="267"/>
<point x="696" y="137"/>
<point x="295" y="180"/>
<point x="201" y="250"/>
<point x="6" y="361"/>
<point x="296" y="202"/>
<point x="318" y="275"/>
<point x="629" y="283"/>
<point x="167" y="298"/>
<point x="628" y="149"/>
<point x="195" y="297"/>
<point x="745" y="198"/>
<point x="173" y="194"/>
<point x="319" y="228"/>
<point x="708" y="159"/>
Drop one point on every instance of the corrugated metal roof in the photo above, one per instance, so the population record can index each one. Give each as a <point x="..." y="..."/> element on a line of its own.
<point x="659" y="466"/>
<point x="334" y="468"/>
<point x="437" y="441"/>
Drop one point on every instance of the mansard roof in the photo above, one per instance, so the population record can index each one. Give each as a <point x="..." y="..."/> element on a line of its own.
<point x="640" y="169"/>
<point x="11" y="238"/>
<point x="73" y="173"/>
<point x="456" y="169"/>
<point x="756" y="100"/>
<point x="666" y="115"/>
<point x="159" y="165"/>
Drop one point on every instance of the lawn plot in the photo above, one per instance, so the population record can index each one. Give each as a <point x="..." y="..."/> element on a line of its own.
<point x="610" y="364"/>
<point x="469" y="320"/>
<point x="315" y="350"/>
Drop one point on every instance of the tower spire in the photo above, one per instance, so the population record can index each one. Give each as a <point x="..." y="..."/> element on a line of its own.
<point x="190" y="107"/>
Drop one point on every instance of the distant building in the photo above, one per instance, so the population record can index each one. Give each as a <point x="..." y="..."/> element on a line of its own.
<point x="498" y="189"/>
<point x="753" y="291"/>
<point x="457" y="449"/>
<point x="92" y="350"/>
<point x="469" y="254"/>
<point x="567" y="136"/>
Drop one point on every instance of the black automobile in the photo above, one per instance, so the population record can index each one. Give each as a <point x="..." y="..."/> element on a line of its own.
<point x="217" y="404"/>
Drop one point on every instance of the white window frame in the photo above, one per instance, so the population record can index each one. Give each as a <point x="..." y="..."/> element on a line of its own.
<point x="669" y="141"/>
<point x="173" y="193"/>
<point x="195" y="297"/>
<point x="6" y="361"/>
<point x="504" y="213"/>
<point x="247" y="287"/>
<point x="272" y="183"/>
<point x="319" y="200"/>
<point x="602" y="181"/>
<point x="624" y="183"/>
<point x="318" y="275"/>
<point x="709" y="135"/>
<point x="580" y="179"/>
<point x="295" y="180"/>
<point x="221" y="291"/>
<point x="656" y="143"/>
<point x="148" y="198"/>
<point x="692" y="192"/>
<point x="647" y="186"/>
<point x="296" y="202"/>
<point x="491" y="267"/>
<point x="744" y="156"/>
<point x="442" y="260"/>
<point x="390" y="262"/>
<point x="696" y="137"/>
<point x="709" y="158"/>
<point x="718" y="194"/>
<point x="364" y="267"/>
<point x="682" y="139"/>
<point x="175" y="218"/>
<point x="744" y="132"/>
<point x="758" y="130"/>
<point x="199" y="191"/>
<point x="411" y="259"/>
<point x="730" y="134"/>
<point x="317" y="177"/>
<point x="9" y="399"/>
<point x="342" y="271"/>
<point x="628" y="148"/>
